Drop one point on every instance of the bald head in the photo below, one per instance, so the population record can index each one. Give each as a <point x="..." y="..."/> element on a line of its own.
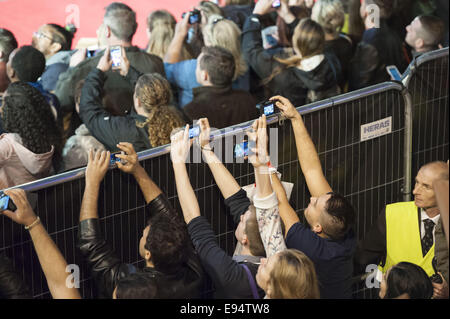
<point x="439" y="169"/>
<point x="424" y="196"/>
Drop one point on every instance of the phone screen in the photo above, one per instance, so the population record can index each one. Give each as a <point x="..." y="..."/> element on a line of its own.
<point x="276" y="4"/>
<point x="194" y="132"/>
<point x="116" y="56"/>
<point x="394" y="72"/>
<point x="114" y="159"/>
<point x="4" y="201"/>
<point x="194" y="18"/>
<point x="241" y="150"/>
<point x="269" y="109"/>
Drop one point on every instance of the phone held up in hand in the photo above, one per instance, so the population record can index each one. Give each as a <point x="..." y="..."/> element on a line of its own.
<point x="116" y="56"/>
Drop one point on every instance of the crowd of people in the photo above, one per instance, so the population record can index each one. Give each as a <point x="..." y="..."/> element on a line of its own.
<point x="62" y="109"/>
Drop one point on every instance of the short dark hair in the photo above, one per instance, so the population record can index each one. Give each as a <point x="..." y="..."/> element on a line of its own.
<point x="433" y="29"/>
<point x="408" y="278"/>
<point x="8" y="42"/>
<point x="220" y="65"/>
<point x="29" y="63"/>
<point x="167" y="242"/>
<point x="121" y="19"/>
<point x="139" y="285"/>
<point x="339" y="216"/>
<point x="256" y="245"/>
<point x="62" y="35"/>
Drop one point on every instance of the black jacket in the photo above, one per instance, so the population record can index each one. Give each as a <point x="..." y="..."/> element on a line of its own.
<point x="379" y="48"/>
<point x="291" y="83"/>
<point x="106" y="268"/>
<point x="228" y="275"/>
<point x="11" y="284"/>
<point x="107" y="129"/>
<point x="222" y="106"/>
<point x="140" y="60"/>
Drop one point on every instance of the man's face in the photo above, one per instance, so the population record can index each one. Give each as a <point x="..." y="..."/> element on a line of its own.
<point x="43" y="39"/>
<point x="9" y="69"/>
<point x="411" y="33"/>
<point x="240" y="230"/>
<point x="314" y="210"/>
<point x="424" y="196"/>
<point x="142" y="242"/>
<point x="198" y="72"/>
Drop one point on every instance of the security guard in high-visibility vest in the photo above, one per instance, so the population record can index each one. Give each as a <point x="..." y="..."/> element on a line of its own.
<point x="405" y="231"/>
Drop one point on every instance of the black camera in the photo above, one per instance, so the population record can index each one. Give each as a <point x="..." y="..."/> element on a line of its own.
<point x="267" y="108"/>
<point x="195" y="16"/>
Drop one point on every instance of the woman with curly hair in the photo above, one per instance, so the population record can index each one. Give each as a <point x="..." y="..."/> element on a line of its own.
<point x="151" y="123"/>
<point x="33" y="142"/>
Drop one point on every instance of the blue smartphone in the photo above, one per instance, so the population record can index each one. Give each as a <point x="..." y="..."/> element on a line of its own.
<point x="114" y="159"/>
<point x="6" y="203"/>
<point x="241" y="149"/>
<point x="394" y="72"/>
<point x="194" y="132"/>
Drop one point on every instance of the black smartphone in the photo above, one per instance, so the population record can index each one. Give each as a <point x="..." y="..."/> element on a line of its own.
<point x="276" y="4"/>
<point x="194" y="131"/>
<point x="195" y="16"/>
<point x="116" y="56"/>
<point x="241" y="150"/>
<point x="90" y="53"/>
<point x="6" y="203"/>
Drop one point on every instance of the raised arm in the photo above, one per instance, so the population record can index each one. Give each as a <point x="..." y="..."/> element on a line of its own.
<point x="307" y="154"/>
<point x="225" y="181"/>
<point x="96" y="169"/>
<point x="179" y="150"/>
<point x="175" y="49"/>
<point x="287" y="213"/>
<point x="52" y="261"/>
<point x="265" y="200"/>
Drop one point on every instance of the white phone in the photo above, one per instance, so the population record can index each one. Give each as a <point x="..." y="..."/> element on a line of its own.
<point x="394" y="72"/>
<point x="116" y="56"/>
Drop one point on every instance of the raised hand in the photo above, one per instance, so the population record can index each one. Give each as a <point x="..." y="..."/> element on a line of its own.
<point x="130" y="161"/>
<point x="105" y="62"/>
<point x="24" y="214"/>
<point x="180" y="145"/>
<point x="97" y="167"/>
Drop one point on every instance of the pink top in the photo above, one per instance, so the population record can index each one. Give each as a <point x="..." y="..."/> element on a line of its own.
<point x="18" y="165"/>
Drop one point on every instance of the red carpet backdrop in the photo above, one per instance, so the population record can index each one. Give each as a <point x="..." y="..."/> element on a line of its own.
<point x="23" y="17"/>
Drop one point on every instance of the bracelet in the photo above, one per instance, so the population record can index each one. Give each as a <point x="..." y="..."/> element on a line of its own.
<point x="37" y="221"/>
<point x="206" y="149"/>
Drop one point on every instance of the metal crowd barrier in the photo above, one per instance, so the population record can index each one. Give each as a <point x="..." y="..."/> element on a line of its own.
<point x="427" y="82"/>
<point x="370" y="173"/>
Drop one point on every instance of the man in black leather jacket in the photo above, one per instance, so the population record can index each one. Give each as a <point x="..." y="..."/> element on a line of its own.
<point x="169" y="257"/>
<point x="12" y="285"/>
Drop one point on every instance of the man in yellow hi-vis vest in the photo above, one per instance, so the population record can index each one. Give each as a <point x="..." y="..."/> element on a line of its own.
<point x="405" y="231"/>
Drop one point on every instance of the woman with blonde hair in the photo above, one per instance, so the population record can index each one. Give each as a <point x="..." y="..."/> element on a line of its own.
<point x="218" y="32"/>
<point x="160" y="31"/>
<point x="309" y="75"/>
<point x="151" y="123"/>
<point x="289" y="274"/>
<point x="331" y="16"/>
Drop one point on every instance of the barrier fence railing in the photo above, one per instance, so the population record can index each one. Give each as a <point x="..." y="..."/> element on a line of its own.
<point x="427" y="82"/>
<point x="364" y="140"/>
